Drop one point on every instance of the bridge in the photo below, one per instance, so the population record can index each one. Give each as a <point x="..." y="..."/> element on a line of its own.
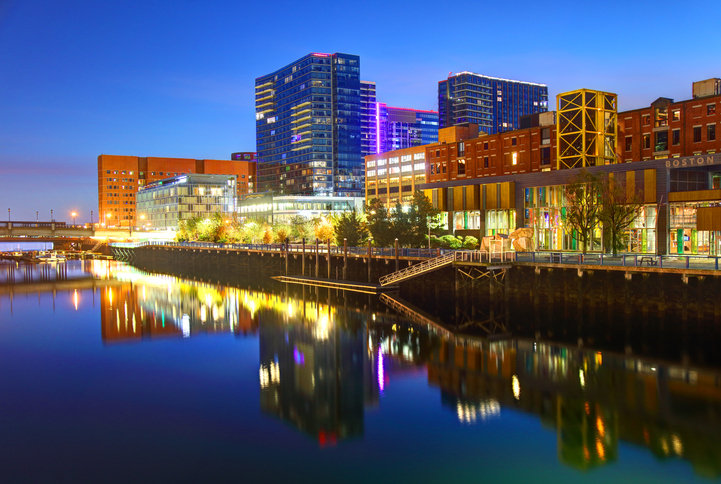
<point x="20" y="231"/>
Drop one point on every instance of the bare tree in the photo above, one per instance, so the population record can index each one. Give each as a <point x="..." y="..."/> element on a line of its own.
<point x="583" y="205"/>
<point x="621" y="206"/>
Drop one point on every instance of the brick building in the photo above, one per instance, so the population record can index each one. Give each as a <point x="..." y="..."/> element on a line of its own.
<point x="120" y="178"/>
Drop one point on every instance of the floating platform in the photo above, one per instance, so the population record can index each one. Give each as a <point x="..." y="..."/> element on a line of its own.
<point x="364" y="287"/>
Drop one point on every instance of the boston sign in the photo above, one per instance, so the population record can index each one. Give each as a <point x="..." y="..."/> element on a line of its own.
<point x="697" y="160"/>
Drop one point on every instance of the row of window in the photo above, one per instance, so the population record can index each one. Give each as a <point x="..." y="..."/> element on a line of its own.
<point x="661" y="138"/>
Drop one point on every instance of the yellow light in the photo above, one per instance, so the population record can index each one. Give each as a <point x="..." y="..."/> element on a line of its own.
<point x="516" y="385"/>
<point x="75" y="299"/>
<point x="600" y="427"/>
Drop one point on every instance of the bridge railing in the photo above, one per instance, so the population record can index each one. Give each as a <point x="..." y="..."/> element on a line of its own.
<point x="622" y="260"/>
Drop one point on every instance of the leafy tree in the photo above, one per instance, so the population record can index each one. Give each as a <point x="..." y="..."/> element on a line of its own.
<point x="420" y="214"/>
<point x="449" y="242"/>
<point x="267" y="234"/>
<point x="620" y="207"/>
<point x="379" y="223"/>
<point x="281" y="232"/>
<point x="351" y="226"/>
<point x="583" y="205"/>
<point x="301" y="228"/>
<point x="324" y="230"/>
<point x="402" y="227"/>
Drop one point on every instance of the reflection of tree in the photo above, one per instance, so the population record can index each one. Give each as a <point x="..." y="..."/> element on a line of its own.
<point x="593" y="401"/>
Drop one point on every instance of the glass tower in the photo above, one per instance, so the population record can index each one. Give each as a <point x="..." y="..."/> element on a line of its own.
<point x="368" y="118"/>
<point x="308" y="127"/>
<point x="494" y="104"/>
<point x="399" y="128"/>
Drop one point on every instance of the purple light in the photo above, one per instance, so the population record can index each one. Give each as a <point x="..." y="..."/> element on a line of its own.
<point x="381" y="373"/>
<point x="298" y="357"/>
<point x="378" y="128"/>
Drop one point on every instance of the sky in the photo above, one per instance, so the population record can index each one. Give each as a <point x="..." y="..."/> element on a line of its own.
<point x="80" y="78"/>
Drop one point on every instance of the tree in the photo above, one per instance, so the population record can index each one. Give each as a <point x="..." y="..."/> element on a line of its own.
<point x="583" y="205"/>
<point x="324" y="230"/>
<point x="301" y="228"/>
<point x="621" y="205"/>
<point x="401" y="226"/>
<point x="281" y="232"/>
<point x="267" y="234"/>
<point x="379" y="223"/>
<point x="351" y="226"/>
<point x="420" y="215"/>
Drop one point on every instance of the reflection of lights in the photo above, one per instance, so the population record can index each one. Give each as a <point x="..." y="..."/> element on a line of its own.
<point x="600" y="427"/>
<point x="469" y="413"/>
<point x="110" y="297"/>
<point x="664" y="446"/>
<point x="677" y="445"/>
<point x="321" y="331"/>
<point x="586" y="454"/>
<point x="143" y="293"/>
<point x="381" y="373"/>
<point x="203" y="315"/>
<point x="215" y="313"/>
<point x="75" y="299"/>
<point x="600" y="450"/>
<point x="582" y="378"/>
<point x="185" y="325"/>
<point x="290" y="310"/>
<point x="269" y="374"/>
<point x="516" y="385"/>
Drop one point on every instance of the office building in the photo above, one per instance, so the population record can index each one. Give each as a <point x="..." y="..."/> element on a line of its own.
<point x="274" y="209"/>
<point x="494" y="104"/>
<point x="669" y="154"/>
<point x="393" y="177"/>
<point x="308" y="127"/>
<point x="369" y="132"/>
<point x="163" y="204"/>
<point x="120" y="178"/>
<point x="399" y="128"/>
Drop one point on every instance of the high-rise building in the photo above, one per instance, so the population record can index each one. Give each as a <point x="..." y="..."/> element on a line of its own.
<point x="369" y="132"/>
<point x="308" y="127"/>
<point x="399" y="128"/>
<point x="494" y="104"/>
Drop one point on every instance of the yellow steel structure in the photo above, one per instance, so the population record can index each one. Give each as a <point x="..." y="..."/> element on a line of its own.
<point x="586" y="134"/>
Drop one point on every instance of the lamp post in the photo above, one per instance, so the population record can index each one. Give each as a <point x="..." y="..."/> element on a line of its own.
<point x="51" y="214"/>
<point x="37" y="216"/>
<point x="8" y="214"/>
<point x="74" y="214"/>
<point x="91" y="218"/>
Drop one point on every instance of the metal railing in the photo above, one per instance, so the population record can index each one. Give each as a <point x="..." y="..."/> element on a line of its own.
<point x="418" y="269"/>
<point x="622" y="260"/>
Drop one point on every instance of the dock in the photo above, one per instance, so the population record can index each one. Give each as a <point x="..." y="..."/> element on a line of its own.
<point x="364" y="287"/>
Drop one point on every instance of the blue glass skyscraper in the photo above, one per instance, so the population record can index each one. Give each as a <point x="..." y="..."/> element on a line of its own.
<point x="308" y="127"/>
<point x="494" y="104"/>
<point x="398" y="128"/>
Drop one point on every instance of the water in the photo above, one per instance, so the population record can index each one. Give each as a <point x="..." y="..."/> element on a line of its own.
<point x="110" y="374"/>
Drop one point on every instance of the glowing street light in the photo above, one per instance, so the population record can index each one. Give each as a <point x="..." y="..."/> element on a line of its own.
<point x="74" y="214"/>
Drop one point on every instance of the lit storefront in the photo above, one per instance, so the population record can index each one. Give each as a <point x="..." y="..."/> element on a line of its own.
<point x="686" y="229"/>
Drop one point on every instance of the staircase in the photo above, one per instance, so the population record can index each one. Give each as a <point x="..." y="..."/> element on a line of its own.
<point x="418" y="269"/>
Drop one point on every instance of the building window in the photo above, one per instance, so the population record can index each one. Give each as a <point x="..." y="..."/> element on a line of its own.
<point x="546" y="136"/>
<point x="546" y="155"/>
<point x="711" y="132"/>
<point x="485" y="145"/>
<point x="676" y="115"/>
<point x="514" y="158"/>
<point x="485" y="162"/>
<point x="646" y="120"/>
<point x="697" y="134"/>
<point x="646" y="141"/>
<point x="629" y="143"/>
<point x="661" y="141"/>
<point x="711" y="109"/>
<point x="513" y="143"/>
<point x="676" y="137"/>
<point x="461" y="167"/>
<point x="461" y="149"/>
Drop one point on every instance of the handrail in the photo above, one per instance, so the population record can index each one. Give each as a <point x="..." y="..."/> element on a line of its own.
<point x="417" y="269"/>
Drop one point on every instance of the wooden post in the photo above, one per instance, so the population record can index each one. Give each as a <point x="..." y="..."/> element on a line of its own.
<point x="370" y="253"/>
<point x="396" y="254"/>
<point x="329" y="258"/>
<point x="317" y="257"/>
<point x="345" y="258"/>
<point x="286" y="256"/>
<point x="303" y="259"/>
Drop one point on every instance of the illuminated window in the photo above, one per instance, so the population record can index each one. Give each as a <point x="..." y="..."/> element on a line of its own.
<point x="710" y="109"/>
<point x="675" y="115"/>
<point x="514" y="158"/>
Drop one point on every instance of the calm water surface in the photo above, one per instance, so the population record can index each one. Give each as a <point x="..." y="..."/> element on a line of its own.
<point x="110" y="374"/>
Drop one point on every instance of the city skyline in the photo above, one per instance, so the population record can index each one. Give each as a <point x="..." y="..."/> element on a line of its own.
<point x="177" y="80"/>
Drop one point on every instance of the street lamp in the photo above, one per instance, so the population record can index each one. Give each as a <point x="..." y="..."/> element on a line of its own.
<point x="107" y="216"/>
<point x="74" y="215"/>
<point x="8" y="214"/>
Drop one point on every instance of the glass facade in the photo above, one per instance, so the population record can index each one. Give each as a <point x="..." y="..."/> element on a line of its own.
<point x="494" y="104"/>
<point x="161" y="205"/>
<point x="684" y="237"/>
<point x="282" y="209"/>
<point x="308" y="127"/>
<point x="399" y="128"/>
<point x="369" y="134"/>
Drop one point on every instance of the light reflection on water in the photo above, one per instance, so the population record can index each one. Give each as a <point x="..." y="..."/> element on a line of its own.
<point x="344" y="370"/>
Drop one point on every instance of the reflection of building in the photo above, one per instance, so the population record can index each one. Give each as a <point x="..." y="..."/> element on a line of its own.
<point x="592" y="400"/>
<point x="165" y="203"/>
<point x="120" y="178"/>
<point x="149" y="306"/>
<point x="312" y="376"/>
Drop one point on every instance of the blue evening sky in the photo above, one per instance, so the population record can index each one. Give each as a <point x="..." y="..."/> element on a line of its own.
<point x="79" y="78"/>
